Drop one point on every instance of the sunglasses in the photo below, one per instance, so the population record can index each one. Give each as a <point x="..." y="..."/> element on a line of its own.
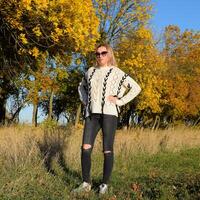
<point x="103" y="53"/>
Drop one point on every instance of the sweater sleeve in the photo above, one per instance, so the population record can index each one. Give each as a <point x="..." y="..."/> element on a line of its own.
<point x="135" y="89"/>
<point x="82" y="90"/>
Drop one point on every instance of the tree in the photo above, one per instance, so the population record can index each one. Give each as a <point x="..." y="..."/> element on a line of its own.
<point x="66" y="100"/>
<point x="31" y="31"/>
<point x="118" y="17"/>
<point x="146" y="65"/>
<point x="182" y="57"/>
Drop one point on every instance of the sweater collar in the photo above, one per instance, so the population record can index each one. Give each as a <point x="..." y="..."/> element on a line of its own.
<point x="104" y="67"/>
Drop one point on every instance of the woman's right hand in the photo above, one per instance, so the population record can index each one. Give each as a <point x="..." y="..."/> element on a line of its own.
<point x="112" y="99"/>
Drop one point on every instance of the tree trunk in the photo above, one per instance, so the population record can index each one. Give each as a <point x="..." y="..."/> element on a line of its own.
<point x="15" y="117"/>
<point x="34" y="117"/>
<point x="51" y="105"/>
<point x="2" y="111"/>
<point x="78" y="113"/>
<point x="197" y="121"/>
<point x="156" y="123"/>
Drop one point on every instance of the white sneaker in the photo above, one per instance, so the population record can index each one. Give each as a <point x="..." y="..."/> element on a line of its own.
<point x="84" y="187"/>
<point x="103" y="188"/>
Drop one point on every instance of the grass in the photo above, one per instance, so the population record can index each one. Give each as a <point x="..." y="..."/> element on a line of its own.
<point x="44" y="164"/>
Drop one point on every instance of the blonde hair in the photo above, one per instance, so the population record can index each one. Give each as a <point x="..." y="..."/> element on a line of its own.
<point x="112" y="60"/>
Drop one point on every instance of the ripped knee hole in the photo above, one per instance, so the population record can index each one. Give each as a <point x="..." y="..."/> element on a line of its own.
<point x="87" y="146"/>
<point x="107" y="152"/>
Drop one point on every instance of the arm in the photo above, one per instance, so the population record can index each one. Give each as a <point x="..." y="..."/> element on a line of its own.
<point x="82" y="90"/>
<point x="135" y="89"/>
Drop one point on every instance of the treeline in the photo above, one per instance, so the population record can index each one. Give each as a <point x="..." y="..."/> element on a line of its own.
<point x="46" y="46"/>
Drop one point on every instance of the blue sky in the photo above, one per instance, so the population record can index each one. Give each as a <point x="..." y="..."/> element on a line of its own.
<point x="183" y="13"/>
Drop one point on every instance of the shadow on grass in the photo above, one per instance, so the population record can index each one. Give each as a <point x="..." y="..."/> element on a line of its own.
<point x="53" y="146"/>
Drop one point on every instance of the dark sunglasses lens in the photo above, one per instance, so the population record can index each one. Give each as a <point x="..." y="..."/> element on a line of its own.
<point x="103" y="53"/>
<point x="97" y="54"/>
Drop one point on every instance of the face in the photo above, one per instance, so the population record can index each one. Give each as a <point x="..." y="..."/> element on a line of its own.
<point x="102" y="56"/>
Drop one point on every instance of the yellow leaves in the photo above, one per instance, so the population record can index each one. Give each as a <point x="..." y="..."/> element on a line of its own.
<point x="183" y="61"/>
<point x="53" y="18"/>
<point x="23" y="38"/>
<point x="22" y="51"/>
<point x="134" y="63"/>
<point x="19" y="14"/>
<point x="34" y="52"/>
<point x="55" y="23"/>
<point x="37" y="31"/>
<point x="79" y="22"/>
<point x="70" y="25"/>
<point x="61" y="73"/>
<point x="142" y="61"/>
<point x="42" y="81"/>
<point x="13" y="22"/>
<point x="144" y="33"/>
<point x="51" y="28"/>
<point x="62" y="1"/>
<point x="150" y="97"/>
<point x="42" y="4"/>
<point x="59" y="31"/>
<point x="143" y="12"/>
<point x="56" y="34"/>
<point x="30" y="4"/>
<point x="82" y="25"/>
<point x="26" y="4"/>
<point x="54" y="37"/>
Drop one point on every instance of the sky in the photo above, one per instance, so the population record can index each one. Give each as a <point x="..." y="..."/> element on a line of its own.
<point x="183" y="13"/>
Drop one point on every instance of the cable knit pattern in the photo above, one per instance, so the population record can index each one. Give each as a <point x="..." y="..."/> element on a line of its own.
<point x="101" y="82"/>
<point x="104" y="89"/>
<point x="119" y="88"/>
<point x="120" y="83"/>
<point x="89" y="90"/>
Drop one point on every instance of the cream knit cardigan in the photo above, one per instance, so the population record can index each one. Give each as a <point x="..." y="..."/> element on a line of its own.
<point x="100" y="82"/>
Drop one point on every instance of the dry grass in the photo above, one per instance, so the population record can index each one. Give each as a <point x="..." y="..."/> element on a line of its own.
<point x="147" y="141"/>
<point x="22" y="143"/>
<point x="18" y="144"/>
<point x="136" y="141"/>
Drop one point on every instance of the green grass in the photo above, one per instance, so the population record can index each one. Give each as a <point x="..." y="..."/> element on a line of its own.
<point x="164" y="175"/>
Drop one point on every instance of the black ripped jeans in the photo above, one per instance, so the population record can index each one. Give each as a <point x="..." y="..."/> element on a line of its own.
<point x="93" y="123"/>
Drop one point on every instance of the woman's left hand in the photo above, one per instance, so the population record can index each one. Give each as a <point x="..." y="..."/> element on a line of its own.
<point x="112" y="99"/>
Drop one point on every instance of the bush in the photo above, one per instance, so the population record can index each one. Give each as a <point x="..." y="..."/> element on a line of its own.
<point x="49" y="124"/>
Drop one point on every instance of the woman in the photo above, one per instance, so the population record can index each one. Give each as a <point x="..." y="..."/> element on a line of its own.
<point x="101" y="91"/>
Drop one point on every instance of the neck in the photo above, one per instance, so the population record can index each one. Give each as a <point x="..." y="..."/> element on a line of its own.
<point x="103" y="65"/>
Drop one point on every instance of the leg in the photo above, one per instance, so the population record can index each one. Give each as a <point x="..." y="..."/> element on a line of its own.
<point x="91" y="129"/>
<point x="109" y="126"/>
